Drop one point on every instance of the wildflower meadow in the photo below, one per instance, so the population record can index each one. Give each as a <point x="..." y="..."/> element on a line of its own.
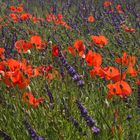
<point x="69" y="70"/>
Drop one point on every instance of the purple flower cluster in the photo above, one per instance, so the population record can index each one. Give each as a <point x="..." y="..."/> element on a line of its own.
<point x="50" y="96"/>
<point x="32" y="132"/>
<point x="72" y="72"/>
<point x="89" y="120"/>
<point x="129" y="117"/>
<point x="71" y="119"/>
<point x="9" y="53"/>
<point x="62" y="72"/>
<point x="75" y="123"/>
<point x="4" y="135"/>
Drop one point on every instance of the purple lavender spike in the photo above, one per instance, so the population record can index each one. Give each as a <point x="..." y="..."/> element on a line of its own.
<point x="13" y="41"/>
<point x="80" y="83"/>
<point x="7" y="51"/>
<point x="4" y="135"/>
<point x="115" y="22"/>
<point x="62" y="72"/>
<point x="76" y="77"/>
<point x="82" y="109"/>
<point x="54" y="9"/>
<point x="39" y="138"/>
<point x="95" y="130"/>
<point x="14" y="38"/>
<point x="84" y="113"/>
<point x="63" y="61"/>
<point x="75" y="123"/>
<point x="71" y="118"/>
<point x="71" y="71"/>
<point x="3" y="34"/>
<point x="68" y="66"/>
<point x="89" y="120"/>
<point x="50" y="96"/>
<point x="32" y="132"/>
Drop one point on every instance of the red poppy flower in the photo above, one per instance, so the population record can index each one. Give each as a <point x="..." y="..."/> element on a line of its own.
<point x="112" y="73"/>
<point x="60" y="16"/>
<point x="93" y="59"/>
<point x="123" y="60"/>
<point x="35" y="19"/>
<point x="50" y="77"/>
<point x="107" y="3"/>
<point x="45" y="69"/>
<point x="91" y="19"/>
<point x="2" y="69"/>
<point x="37" y="41"/>
<point x="104" y="40"/>
<point x="57" y="19"/>
<point x="14" y="16"/>
<point x="80" y="47"/>
<point x="36" y="72"/>
<point x="96" y="71"/>
<point x="132" y="60"/>
<point x="95" y="39"/>
<point x="126" y="59"/>
<point x="51" y="17"/>
<point x="12" y="8"/>
<point x="137" y="81"/>
<point x="23" y="83"/>
<point x="25" y="16"/>
<point x="55" y="51"/>
<point x="28" y="70"/>
<point x="1" y="19"/>
<point x="23" y="46"/>
<point x="100" y="40"/>
<point x="2" y="65"/>
<point x="15" y="78"/>
<point x="19" y="9"/>
<point x="120" y="88"/>
<point x="131" y="70"/>
<point x="13" y="64"/>
<point x="1" y="53"/>
<point x="118" y="7"/>
<point x="72" y="50"/>
<point x="31" y="100"/>
<point x="15" y="74"/>
<point x="12" y="78"/>
<point x="129" y="29"/>
<point x="65" y="24"/>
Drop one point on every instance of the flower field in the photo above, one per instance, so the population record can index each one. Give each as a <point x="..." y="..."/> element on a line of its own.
<point x="69" y="70"/>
